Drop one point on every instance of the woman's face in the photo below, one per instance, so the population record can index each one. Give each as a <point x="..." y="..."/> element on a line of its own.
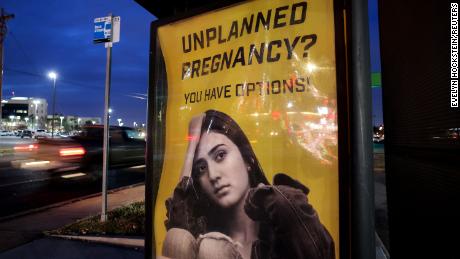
<point x="222" y="172"/>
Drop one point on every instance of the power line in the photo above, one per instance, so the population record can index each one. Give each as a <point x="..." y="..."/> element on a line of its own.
<point x="21" y="49"/>
<point x="65" y="81"/>
<point x="136" y="97"/>
<point x="36" y="74"/>
<point x="23" y="72"/>
<point x="72" y="82"/>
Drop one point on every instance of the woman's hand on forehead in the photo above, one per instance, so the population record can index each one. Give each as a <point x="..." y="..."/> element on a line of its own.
<point x="194" y="132"/>
<point x="194" y="127"/>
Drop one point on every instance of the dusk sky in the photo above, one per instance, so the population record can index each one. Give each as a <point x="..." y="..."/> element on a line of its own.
<point x="377" y="109"/>
<point x="57" y="35"/>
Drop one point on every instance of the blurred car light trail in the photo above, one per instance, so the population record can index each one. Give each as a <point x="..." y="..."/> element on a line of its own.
<point x="72" y="175"/>
<point x="72" y="151"/>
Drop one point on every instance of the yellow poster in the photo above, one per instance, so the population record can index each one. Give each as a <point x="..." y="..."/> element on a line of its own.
<point x="250" y="164"/>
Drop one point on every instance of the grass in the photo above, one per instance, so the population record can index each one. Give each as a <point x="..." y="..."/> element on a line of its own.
<point x="124" y="221"/>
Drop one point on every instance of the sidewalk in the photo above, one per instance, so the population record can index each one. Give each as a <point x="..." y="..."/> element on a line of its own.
<point x="22" y="237"/>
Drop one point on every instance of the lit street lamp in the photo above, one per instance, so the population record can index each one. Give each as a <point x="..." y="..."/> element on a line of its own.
<point x="53" y="76"/>
<point x="110" y="113"/>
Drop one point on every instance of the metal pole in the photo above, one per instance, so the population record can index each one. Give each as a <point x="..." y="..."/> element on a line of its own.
<point x="108" y="69"/>
<point x="363" y="225"/>
<point x="1" y="73"/>
<point x="3" y="19"/>
<point x="3" y="29"/>
<point x="35" y="118"/>
<point x="54" y="104"/>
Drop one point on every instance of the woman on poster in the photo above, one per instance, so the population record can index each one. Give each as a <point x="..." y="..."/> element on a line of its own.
<point x="224" y="207"/>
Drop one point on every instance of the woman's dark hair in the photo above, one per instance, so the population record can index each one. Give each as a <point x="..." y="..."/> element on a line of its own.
<point x="220" y="122"/>
<point x="204" y="211"/>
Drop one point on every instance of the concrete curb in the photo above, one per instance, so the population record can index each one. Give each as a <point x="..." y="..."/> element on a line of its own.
<point x="128" y="242"/>
<point x="24" y="213"/>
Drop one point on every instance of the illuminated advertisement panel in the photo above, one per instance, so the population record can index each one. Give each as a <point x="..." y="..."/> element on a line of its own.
<point x="249" y="160"/>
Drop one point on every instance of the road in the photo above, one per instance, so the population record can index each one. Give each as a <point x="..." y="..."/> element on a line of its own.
<point x="22" y="189"/>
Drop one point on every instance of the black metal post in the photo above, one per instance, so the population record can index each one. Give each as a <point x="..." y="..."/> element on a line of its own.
<point x="363" y="223"/>
<point x="54" y="105"/>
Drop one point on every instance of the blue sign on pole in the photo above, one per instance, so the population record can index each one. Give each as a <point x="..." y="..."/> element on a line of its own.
<point x="102" y="29"/>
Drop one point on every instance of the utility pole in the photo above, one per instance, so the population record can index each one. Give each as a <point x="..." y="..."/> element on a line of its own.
<point x="3" y="18"/>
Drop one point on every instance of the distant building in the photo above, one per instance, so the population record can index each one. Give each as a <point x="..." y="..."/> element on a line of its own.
<point x="89" y="120"/>
<point x="32" y="113"/>
<point x="66" y="123"/>
<point x="25" y="112"/>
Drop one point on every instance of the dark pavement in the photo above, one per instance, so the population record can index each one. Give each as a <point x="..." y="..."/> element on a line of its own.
<point x="21" y="230"/>
<point x="50" y="247"/>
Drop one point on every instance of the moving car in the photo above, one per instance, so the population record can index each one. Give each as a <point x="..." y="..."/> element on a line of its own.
<point x="84" y="151"/>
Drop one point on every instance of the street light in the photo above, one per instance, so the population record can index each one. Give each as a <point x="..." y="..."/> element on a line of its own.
<point x="110" y="112"/>
<point x="53" y="75"/>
